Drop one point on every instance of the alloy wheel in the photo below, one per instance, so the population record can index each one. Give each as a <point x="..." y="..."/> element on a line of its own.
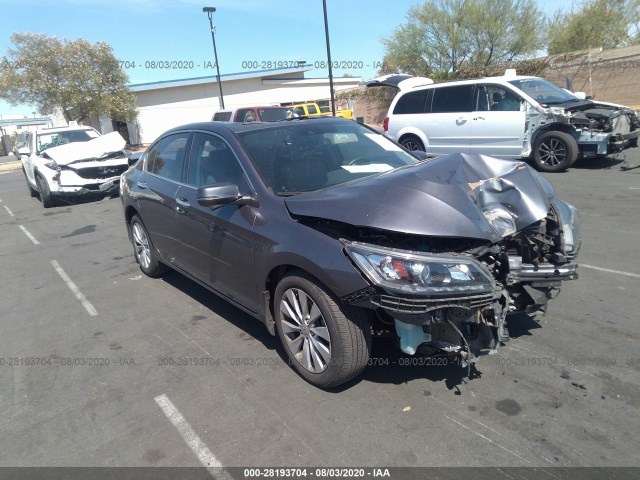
<point x="552" y="152"/>
<point x="305" y="330"/>
<point x="141" y="246"/>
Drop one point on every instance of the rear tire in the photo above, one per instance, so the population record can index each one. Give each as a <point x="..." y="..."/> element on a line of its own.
<point x="45" y="194"/>
<point x="554" y="151"/>
<point x="144" y="251"/>
<point x="412" y="143"/>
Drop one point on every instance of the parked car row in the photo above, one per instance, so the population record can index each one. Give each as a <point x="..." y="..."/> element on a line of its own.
<point x="329" y="232"/>
<point x="510" y="116"/>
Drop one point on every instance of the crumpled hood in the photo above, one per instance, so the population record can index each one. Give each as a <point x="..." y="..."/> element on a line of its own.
<point x="443" y="197"/>
<point x="91" y="150"/>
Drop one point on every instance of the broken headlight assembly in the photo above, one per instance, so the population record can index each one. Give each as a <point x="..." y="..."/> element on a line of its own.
<point x="571" y="234"/>
<point x="417" y="273"/>
<point x="53" y="166"/>
<point x="501" y="220"/>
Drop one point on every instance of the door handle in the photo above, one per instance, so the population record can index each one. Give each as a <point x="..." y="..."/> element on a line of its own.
<point x="142" y="184"/>
<point x="478" y="118"/>
<point x="182" y="203"/>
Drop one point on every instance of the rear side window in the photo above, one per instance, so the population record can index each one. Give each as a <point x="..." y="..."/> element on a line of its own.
<point x="452" y="99"/>
<point x="413" y="102"/>
<point x="166" y="158"/>
<point x="222" y="117"/>
<point x="312" y="109"/>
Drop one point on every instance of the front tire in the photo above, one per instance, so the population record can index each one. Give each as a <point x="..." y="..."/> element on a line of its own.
<point x="412" y="143"/>
<point x="327" y="344"/>
<point x="554" y="151"/>
<point x="144" y="251"/>
<point x="45" y="194"/>
<point x="32" y="192"/>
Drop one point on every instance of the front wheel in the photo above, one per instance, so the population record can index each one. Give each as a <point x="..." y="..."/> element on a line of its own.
<point x="45" y="193"/>
<point x="32" y="191"/>
<point x="327" y="344"/>
<point x="143" y="249"/>
<point x="554" y="152"/>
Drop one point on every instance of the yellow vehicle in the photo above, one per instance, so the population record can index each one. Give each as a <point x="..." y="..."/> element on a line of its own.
<point x="313" y="110"/>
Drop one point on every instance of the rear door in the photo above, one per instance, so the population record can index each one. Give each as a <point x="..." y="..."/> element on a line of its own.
<point x="497" y="122"/>
<point x="448" y="125"/>
<point x="156" y="190"/>
<point x="216" y="244"/>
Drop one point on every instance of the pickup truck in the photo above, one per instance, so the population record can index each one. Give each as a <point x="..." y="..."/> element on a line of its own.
<point x="313" y="110"/>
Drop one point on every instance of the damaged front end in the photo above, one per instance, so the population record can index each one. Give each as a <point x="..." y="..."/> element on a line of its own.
<point x="83" y="168"/>
<point x="598" y="128"/>
<point x="450" y="294"/>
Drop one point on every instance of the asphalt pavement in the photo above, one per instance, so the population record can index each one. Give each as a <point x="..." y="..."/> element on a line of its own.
<point x="102" y="366"/>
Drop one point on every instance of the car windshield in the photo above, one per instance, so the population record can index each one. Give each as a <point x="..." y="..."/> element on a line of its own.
<point x="300" y="156"/>
<point x="544" y="92"/>
<point x="45" y="141"/>
<point x="274" y="114"/>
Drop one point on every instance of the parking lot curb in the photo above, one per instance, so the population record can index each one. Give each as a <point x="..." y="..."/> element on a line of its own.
<point x="10" y="166"/>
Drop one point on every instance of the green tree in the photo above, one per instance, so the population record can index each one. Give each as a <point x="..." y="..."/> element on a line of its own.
<point x="76" y="78"/>
<point x="441" y="37"/>
<point x="601" y="23"/>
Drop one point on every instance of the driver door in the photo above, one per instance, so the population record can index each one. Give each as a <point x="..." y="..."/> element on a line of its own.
<point x="216" y="244"/>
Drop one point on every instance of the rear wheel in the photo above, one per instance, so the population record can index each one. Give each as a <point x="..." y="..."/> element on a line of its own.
<point x="45" y="194"/>
<point x="327" y="344"/>
<point x="554" y="151"/>
<point x="143" y="250"/>
<point x="412" y="143"/>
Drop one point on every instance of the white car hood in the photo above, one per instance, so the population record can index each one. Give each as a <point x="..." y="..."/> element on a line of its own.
<point x="91" y="150"/>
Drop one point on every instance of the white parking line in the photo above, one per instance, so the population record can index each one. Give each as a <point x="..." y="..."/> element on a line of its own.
<point x="635" y="275"/>
<point x="76" y="291"/>
<point x="192" y="439"/>
<point x="28" y="234"/>
<point x="9" y="211"/>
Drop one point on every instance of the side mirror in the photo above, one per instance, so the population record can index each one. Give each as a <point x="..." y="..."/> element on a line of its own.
<point x="134" y="157"/>
<point x="420" y="155"/>
<point x="223" y="194"/>
<point x="24" y="151"/>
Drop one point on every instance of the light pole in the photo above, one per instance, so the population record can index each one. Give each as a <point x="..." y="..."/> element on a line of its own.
<point x="209" y="11"/>
<point x="326" y="33"/>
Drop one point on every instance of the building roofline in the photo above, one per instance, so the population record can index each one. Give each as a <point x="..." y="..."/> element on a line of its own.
<point x="140" y="87"/>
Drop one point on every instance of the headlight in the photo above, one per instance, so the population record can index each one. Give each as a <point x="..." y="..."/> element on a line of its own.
<point x="571" y="233"/>
<point x="501" y="220"/>
<point x="53" y="166"/>
<point x="419" y="273"/>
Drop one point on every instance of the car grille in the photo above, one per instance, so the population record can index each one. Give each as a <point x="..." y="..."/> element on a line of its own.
<point x="101" y="172"/>
<point x="424" y="305"/>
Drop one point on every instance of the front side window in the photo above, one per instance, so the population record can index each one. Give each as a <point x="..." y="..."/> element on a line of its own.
<point x="301" y="157"/>
<point x="166" y="158"/>
<point x="456" y="98"/>
<point x="212" y="162"/>
<point x="496" y="98"/>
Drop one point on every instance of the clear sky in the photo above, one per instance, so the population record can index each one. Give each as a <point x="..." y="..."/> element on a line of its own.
<point x="249" y="33"/>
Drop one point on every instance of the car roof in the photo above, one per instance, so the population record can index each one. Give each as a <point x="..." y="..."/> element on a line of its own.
<point x="469" y="81"/>
<point x="234" y="127"/>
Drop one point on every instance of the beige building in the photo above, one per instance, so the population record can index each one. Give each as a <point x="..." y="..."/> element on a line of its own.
<point x="167" y="104"/>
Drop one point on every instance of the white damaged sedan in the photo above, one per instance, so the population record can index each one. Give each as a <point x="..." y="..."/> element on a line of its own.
<point x="72" y="162"/>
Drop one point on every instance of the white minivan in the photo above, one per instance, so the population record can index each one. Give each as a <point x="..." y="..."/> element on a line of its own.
<point x="509" y="116"/>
